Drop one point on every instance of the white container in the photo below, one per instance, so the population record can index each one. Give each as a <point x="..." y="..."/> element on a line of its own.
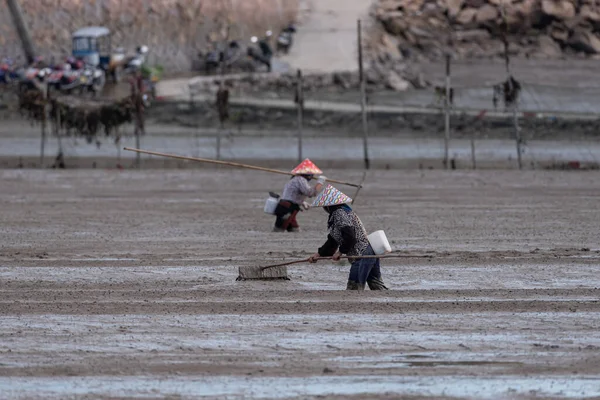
<point x="271" y="205"/>
<point x="379" y="243"/>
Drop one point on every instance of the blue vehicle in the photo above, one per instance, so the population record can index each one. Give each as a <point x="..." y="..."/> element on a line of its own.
<point x="93" y="45"/>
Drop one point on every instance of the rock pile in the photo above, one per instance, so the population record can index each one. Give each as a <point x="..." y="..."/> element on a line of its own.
<point x="423" y="29"/>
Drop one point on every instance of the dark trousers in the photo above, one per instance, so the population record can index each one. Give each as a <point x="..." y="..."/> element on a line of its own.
<point x="286" y="212"/>
<point x="366" y="271"/>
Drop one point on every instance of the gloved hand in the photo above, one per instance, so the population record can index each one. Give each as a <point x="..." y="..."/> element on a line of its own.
<point x="304" y="206"/>
<point x="322" y="180"/>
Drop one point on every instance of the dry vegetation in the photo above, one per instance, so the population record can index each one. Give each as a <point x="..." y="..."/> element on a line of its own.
<point x="174" y="29"/>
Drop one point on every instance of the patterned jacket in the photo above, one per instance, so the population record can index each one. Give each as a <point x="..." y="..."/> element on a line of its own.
<point x="297" y="190"/>
<point x="346" y="232"/>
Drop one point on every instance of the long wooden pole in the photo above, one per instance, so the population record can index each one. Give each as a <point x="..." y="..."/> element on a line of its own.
<point x="363" y="97"/>
<point x="228" y="163"/>
<point x="343" y="258"/>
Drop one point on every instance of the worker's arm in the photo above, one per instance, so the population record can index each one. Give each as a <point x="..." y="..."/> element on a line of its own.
<point x="309" y="191"/>
<point x="327" y="250"/>
<point x="348" y="239"/>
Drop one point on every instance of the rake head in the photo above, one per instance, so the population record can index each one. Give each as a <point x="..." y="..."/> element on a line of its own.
<point x="259" y="273"/>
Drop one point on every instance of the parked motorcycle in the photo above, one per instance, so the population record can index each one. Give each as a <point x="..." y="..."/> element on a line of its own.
<point x="231" y="54"/>
<point x="135" y="63"/>
<point x="264" y="53"/>
<point x="286" y="39"/>
<point x="93" y="79"/>
<point x="74" y="75"/>
<point x="33" y="73"/>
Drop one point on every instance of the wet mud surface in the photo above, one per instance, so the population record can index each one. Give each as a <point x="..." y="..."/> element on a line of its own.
<point x="122" y="284"/>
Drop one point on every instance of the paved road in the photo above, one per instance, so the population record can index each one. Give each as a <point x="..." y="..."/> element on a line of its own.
<point x="326" y="41"/>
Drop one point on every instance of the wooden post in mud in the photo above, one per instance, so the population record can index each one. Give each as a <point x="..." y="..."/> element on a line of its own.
<point x="363" y="97"/>
<point x="138" y="161"/>
<point x="473" y="164"/>
<point x="222" y="94"/>
<point x="58" y="138"/>
<point x="511" y="89"/>
<point x="43" y="87"/>
<point x="43" y="139"/>
<point x="219" y="94"/>
<point x="447" y="113"/>
<point x="515" y="104"/>
<point x="138" y="101"/>
<point x="300" y="106"/>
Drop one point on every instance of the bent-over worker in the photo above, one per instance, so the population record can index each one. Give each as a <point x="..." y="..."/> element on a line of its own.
<point x="348" y="236"/>
<point x="294" y="195"/>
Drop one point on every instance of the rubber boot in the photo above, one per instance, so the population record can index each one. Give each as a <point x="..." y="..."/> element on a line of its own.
<point x="355" y="286"/>
<point x="376" y="284"/>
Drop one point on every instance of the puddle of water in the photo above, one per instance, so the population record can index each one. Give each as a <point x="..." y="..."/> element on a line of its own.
<point x="276" y="387"/>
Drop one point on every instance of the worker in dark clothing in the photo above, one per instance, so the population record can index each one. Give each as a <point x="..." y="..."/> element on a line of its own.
<point x="347" y="235"/>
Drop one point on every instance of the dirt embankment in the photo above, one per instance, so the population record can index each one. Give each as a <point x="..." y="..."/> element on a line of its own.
<point x="175" y="30"/>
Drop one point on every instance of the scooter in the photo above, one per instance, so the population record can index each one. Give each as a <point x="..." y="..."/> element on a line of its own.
<point x="286" y="39"/>
<point x="231" y="54"/>
<point x="93" y="79"/>
<point x="264" y="53"/>
<point x="74" y="75"/>
<point x="135" y="63"/>
<point x="32" y="74"/>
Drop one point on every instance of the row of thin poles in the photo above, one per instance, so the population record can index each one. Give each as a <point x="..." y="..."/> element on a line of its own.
<point x="448" y="106"/>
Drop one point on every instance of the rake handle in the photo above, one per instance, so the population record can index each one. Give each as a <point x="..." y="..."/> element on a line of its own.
<point x="341" y="258"/>
<point x="228" y="163"/>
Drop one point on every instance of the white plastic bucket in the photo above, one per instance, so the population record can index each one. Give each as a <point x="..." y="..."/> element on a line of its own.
<point x="379" y="243"/>
<point x="271" y="205"/>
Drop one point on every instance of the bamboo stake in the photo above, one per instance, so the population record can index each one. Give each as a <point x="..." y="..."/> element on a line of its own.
<point x="359" y="187"/>
<point x="300" y="98"/>
<point x="511" y="89"/>
<point x="447" y="106"/>
<point x="363" y="98"/>
<point x="228" y="163"/>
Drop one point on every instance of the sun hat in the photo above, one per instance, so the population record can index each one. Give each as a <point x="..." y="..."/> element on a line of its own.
<point x="307" y="167"/>
<point x="330" y="196"/>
